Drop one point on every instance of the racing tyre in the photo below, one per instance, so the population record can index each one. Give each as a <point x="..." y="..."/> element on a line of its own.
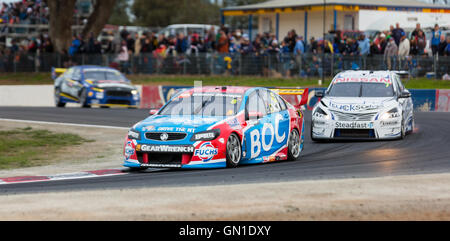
<point x="312" y="137"/>
<point x="83" y="99"/>
<point x="58" y="102"/>
<point x="294" y="143"/>
<point x="403" y="131"/>
<point x="233" y="151"/>
<point x="412" y="127"/>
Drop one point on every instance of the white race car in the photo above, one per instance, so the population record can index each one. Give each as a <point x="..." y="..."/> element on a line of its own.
<point x="363" y="105"/>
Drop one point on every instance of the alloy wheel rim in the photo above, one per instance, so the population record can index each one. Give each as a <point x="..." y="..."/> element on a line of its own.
<point x="233" y="149"/>
<point x="294" y="144"/>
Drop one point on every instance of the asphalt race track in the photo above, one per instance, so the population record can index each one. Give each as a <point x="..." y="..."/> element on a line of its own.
<point x="425" y="151"/>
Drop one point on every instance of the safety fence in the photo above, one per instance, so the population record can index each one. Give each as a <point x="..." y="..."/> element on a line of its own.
<point x="154" y="96"/>
<point x="250" y="64"/>
<point x="423" y="99"/>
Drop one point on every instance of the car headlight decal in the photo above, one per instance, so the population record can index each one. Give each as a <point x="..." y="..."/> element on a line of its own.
<point x="99" y="95"/>
<point x="206" y="135"/>
<point x="134" y="134"/>
<point x="393" y="113"/>
<point x="319" y="113"/>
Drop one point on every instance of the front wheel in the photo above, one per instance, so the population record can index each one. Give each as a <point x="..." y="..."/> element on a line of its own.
<point x="412" y="127"/>
<point x="312" y="136"/>
<point x="294" y="143"/>
<point x="58" y="102"/>
<point x="83" y="99"/>
<point x="234" y="151"/>
<point x="403" y="132"/>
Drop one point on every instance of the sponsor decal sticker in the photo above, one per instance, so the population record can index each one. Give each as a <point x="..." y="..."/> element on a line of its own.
<point x="352" y="107"/>
<point x="389" y="123"/>
<point x="262" y="141"/>
<point x="129" y="150"/>
<point x="166" y="129"/>
<point x="206" y="152"/>
<point x="165" y="148"/>
<point x="148" y="128"/>
<point x="354" y="125"/>
<point x="233" y="123"/>
<point x="384" y="80"/>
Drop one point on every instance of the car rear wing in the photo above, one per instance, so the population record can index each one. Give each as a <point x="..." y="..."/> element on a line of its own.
<point x="296" y="96"/>
<point x="56" y="72"/>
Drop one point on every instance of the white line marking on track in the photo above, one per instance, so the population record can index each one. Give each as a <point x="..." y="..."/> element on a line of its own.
<point x="61" y="177"/>
<point x="66" y="124"/>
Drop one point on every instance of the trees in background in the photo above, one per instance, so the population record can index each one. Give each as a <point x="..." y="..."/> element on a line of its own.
<point x="150" y="13"/>
<point x="61" y="20"/>
<point x="120" y="16"/>
<point x="160" y="13"/>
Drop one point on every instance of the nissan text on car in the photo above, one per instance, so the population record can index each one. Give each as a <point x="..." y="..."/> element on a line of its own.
<point x="218" y="127"/>
<point x="363" y="105"/>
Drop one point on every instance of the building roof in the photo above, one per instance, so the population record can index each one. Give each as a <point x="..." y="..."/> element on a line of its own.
<point x="399" y="5"/>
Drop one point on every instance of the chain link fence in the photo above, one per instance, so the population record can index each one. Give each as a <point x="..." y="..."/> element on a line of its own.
<point x="267" y="64"/>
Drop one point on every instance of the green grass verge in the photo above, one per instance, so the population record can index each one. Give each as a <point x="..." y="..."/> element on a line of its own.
<point x="28" y="147"/>
<point x="188" y="80"/>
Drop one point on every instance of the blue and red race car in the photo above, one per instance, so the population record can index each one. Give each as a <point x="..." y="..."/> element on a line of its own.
<point x="218" y="127"/>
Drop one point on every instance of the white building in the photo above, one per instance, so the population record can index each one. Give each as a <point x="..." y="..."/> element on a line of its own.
<point x="311" y="17"/>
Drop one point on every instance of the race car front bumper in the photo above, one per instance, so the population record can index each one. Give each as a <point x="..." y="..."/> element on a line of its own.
<point x="101" y="98"/>
<point x="204" y="155"/>
<point x="370" y="130"/>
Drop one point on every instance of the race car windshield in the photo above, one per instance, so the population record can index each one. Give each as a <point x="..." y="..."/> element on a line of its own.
<point x="204" y="104"/>
<point x="99" y="76"/>
<point x="360" y="89"/>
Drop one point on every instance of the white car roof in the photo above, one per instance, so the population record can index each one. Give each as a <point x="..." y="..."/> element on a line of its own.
<point x="381" y="73"/>
<point x="387" y="77"/>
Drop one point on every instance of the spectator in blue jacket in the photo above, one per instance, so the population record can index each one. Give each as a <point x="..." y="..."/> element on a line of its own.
<point x="76" y="43"/>
<point x="181" y="44"/>
<point x="364" y="45"/>
<point x="364" y="50"/>
<point x="397" y="33"/>
<point x="285" y="58"/>
<point x="435" y="39"/>
<point x="299" y="50"/>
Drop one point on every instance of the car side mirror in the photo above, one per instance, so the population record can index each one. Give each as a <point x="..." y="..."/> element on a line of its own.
<point x="153" y="111"/>
<point x="405" y="95"/>
<point x="319" y="94"/>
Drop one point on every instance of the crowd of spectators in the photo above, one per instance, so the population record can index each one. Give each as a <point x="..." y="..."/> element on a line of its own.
<point x="24" y="12"/>
<point x="238" y="53"/>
